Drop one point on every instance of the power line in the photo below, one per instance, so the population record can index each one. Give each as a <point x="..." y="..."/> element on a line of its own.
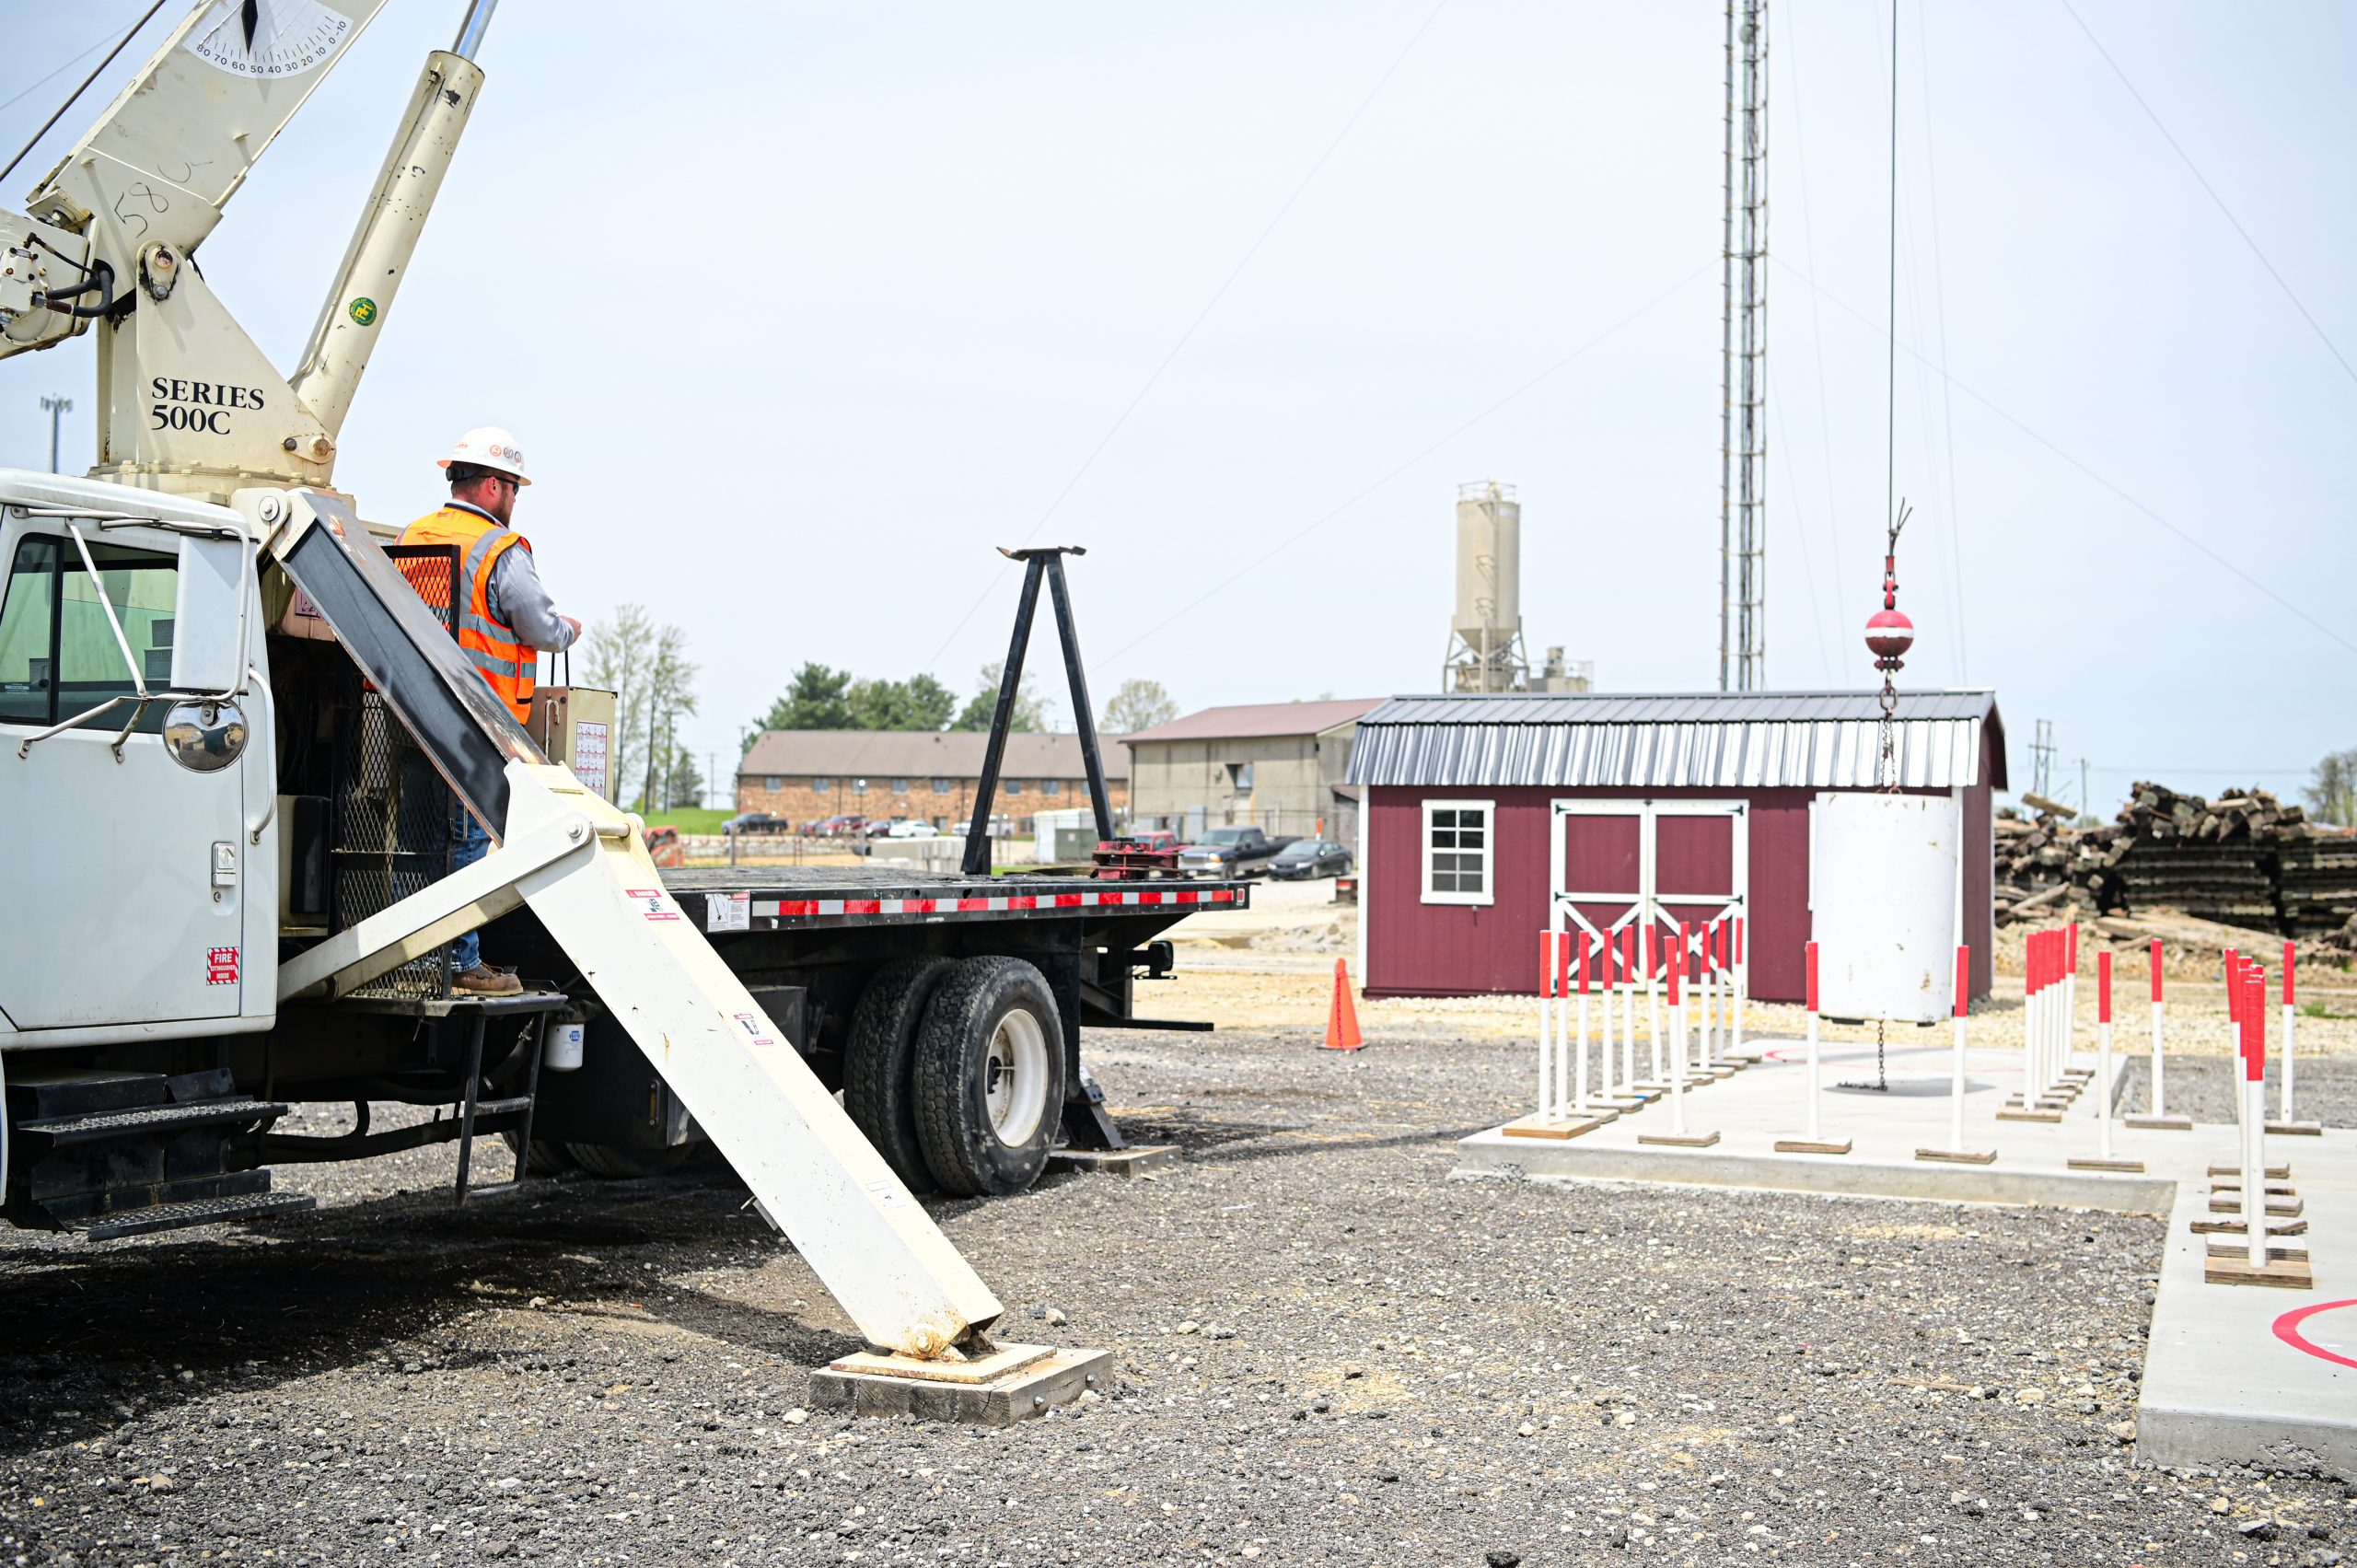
<point x="1960" y="386"/>
<point x="2211" y="191"/>
<point x="145" y="18"/>
<point x="1940" y="314"/>
<point x="1201" y="316"/>
<point x="1307" y="530"/>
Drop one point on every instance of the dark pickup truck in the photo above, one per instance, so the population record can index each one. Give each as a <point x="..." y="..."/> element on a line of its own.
<point x="1230" y="852"/>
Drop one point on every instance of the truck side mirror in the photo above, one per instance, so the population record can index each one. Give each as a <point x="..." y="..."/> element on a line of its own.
<point x="209" y="614"/>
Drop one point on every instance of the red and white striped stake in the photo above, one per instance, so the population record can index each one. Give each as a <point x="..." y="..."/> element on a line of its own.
<point x="2033" y="1017"/>
<point x="2103" y="1054"/>
<point x="1628" y="1010"/>
<point x="1546" y="1024"/>
<point x="1813" y="1129"/>
<point x="1649" y="954"/>
<point x="2235" y="1031"/>
<point x="1579" y="1060"/>
<point x="2068" y="1003"/>
<point x="2289" y="1015"/>
<point x="1742" y="989"/>
<point x="2157" y="1098"/>
<point x="1677" y="1039"/>
<point x="2254" y="1098"/>
<point x="1715" y="989"/>
<point x="1706" y="991"/>
<point x="1956" y="1062"/>
<point x="1605" y="1057"/>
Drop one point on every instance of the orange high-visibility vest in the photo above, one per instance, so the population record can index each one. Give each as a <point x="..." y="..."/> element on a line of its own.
<point x="503" y="660"/>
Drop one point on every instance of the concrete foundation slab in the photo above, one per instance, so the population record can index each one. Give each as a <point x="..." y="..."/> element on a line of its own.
<point x="1041" y="1379"/>
<point x="2232" y="1373"/>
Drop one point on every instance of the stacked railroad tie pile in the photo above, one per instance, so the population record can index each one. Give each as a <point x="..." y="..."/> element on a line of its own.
<point x="2242" y="859"/>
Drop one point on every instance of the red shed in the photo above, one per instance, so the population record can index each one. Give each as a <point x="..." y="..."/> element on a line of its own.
<point x="1485" y="817"/>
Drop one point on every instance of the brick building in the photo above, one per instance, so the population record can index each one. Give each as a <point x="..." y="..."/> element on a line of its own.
<point x="1281" y="766"/>
<point x="806" y="774"/>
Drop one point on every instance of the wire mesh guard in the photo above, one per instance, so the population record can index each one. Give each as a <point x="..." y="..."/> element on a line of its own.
<point x="394" y="822"/>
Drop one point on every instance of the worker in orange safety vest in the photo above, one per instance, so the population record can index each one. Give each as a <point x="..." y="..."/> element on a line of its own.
<point x="505" y="621"/>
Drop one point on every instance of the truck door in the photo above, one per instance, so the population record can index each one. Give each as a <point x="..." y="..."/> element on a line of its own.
<point x="128" y="884"/>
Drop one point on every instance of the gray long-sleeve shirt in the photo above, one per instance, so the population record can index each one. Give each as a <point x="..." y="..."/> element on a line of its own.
<point x="517" y="599"/>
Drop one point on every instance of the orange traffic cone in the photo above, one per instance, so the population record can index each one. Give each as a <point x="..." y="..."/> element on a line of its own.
<point x="1343" y="1017"/>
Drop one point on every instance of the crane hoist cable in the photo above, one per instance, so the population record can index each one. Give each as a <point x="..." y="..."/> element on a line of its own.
<point x="51" y="122"/>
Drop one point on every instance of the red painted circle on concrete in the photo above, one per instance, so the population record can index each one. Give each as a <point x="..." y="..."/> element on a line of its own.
<point x="2288" y="1330"/>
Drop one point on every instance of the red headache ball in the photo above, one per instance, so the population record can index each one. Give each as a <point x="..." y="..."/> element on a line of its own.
<point x="1889" y="633"/>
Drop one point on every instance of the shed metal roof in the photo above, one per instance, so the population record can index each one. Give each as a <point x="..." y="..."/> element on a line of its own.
<point x="1711" y="740"/>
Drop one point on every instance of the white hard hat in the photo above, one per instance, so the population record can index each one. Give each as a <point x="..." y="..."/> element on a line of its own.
<point x="489" y="446"/>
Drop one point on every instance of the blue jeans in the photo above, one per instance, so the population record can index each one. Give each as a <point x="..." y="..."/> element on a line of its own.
<point x="470" y="845"/>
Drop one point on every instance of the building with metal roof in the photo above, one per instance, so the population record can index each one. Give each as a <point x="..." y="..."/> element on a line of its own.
<point x="1486" y="818"/>
<point x="1279" y="766"/>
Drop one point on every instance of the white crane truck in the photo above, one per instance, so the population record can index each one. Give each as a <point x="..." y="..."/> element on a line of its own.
<point x="234" y="733"/>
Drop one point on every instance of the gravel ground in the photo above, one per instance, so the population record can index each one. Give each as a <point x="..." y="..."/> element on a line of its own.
<point x="1329" y="1353"/>
<point x="2324" y="1088"/>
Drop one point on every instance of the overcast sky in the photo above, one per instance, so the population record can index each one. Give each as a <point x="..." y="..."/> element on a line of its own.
<point x="799" y="309"/>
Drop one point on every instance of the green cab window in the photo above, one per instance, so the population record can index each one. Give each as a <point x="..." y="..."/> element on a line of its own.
<point x="58" y="656"/>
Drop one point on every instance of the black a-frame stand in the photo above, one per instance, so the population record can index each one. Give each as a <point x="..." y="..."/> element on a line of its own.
<point x="1044" y="562"/>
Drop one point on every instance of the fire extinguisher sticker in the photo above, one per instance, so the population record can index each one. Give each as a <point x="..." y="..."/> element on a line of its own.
<point x="221" y="966"/>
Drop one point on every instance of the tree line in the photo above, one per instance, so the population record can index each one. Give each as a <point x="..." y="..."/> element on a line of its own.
<point x="822" y="697"/>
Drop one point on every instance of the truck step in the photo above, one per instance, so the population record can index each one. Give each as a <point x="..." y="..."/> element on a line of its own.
<point x="198" y="1211"/>
<point x="150" y="1120"/>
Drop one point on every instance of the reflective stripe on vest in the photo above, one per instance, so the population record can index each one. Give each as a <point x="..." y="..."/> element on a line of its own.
<point x="506" y="665"/>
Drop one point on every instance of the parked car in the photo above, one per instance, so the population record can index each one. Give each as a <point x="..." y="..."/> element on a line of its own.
<point x="836" y="827"/>
<point x="880" y="829"/>
<point x="1310" y="857"/>
<point x="1230" y="852"/>
<point x="756" y="823"/>
<point x="912" y="830"/>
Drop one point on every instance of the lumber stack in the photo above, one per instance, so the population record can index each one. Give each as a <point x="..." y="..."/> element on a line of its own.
<point x="2244" y="859"/>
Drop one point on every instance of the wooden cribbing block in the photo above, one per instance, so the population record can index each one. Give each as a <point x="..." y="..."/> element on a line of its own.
<point x="2274" y="1172"/>
<point x="2010" y="1114"/>
<point x="1802" y="1146"/>
<point x="2295" y="1129"/>
<point x="2220" y="1203"/>
<point x="2238" y="1250"/>
<point x="1552" y="1127"/>
<point x="2234" y="1227"/>
<point x="2136" y="1166"/>
<point x="2160" y="1123"/>
<point x="1680" y="1140"/>
<point x="2288" y="1273"/>
<point x="2273" y="1188"/>
<point x="1958" y="1156"/>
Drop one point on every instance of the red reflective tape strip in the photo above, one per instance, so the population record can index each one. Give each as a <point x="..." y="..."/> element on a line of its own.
<point x="1812" y="977"/>
<point x="2234" y="988"/>
<point x="1069" y="900"/>
<point x="2287" y="974"/>
<point x="1189" y="896"/>
<point x="1738" y="939"/>
<point x="2156" y="968"/>
<point x="1963" y="980"/>
<point x="1149" y="898"/>
<point x="863" y="906"/>
<point x="1023" y="901"/>
<point x="917" y="906"/>
<point x="1583" y="963"/>
<point x="2103" y="986"/>
<point x="968" y="905"/>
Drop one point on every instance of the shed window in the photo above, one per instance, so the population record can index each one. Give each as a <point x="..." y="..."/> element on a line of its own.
<point x="1458" y="846"/>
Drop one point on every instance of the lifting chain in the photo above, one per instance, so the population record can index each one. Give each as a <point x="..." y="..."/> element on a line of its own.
<point x="1888" y="635"/>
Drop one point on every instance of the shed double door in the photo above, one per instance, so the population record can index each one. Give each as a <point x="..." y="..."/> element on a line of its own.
<point x="1648" y="864"/>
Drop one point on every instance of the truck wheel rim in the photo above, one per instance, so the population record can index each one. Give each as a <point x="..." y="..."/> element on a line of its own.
<point x="1015" y="1078"/>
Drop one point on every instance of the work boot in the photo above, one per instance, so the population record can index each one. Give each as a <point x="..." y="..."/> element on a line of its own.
<point x="484" y="981"/>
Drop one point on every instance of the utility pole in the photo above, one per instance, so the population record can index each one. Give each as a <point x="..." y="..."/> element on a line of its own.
<point x="2086" y="801"/>
<point x="2041" y="760"/>
<point x="57" y="408"/>
<point x="1743" y="384"/>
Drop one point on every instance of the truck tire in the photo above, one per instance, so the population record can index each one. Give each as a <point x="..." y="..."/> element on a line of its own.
<point x="988" y="1079"/>
<point x="878" y="1079"/>
<point x="548" y="1158"/>
<point x="616" y="1163"/>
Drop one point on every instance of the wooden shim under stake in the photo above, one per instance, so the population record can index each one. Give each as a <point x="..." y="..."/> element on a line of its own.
<point x="2289" y="1273"/>
<point x="1545" y="1127"/>
<point x="1802" y="1146"/>
<point x="1958" y="1156"/>
<point x="2134" y="1166"/>
<point x="1680" y="1140"/>
<point x="2159" y="1123"/>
